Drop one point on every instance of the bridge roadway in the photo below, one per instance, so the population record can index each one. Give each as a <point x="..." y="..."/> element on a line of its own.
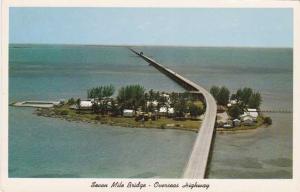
<point x="198" y="161"/>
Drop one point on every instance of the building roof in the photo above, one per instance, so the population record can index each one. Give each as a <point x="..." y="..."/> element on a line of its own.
<point x="165" y="110"/>
<point x="247" y="118"/>
<point x="154" y="103"/>
<point x="251" y="110"/>
<point x="253" y="114"/>
<point x="86" y="104"/>
<point x="127" y="111"/>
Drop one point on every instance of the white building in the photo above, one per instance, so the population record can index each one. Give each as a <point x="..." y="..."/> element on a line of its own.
<point x="245" y="116"/>
<point x="165" y="111"/>
<point x="252" y="112"/>
<point x="128" y="113"/>
<point x="236" y="122"/>
<point x="248" y="120"/>
<point x="154" y="103"/>
<point x="86" y="104"/>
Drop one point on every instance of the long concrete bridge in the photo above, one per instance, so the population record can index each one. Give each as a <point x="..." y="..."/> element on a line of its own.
<point x="197" y="164"/>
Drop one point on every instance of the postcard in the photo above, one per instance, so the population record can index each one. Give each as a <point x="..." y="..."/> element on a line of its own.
<point x="148" y="96"/>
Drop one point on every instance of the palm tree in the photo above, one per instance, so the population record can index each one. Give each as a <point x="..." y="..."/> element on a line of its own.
<point x="255" y="100"/>
<point x="131" y="96"/>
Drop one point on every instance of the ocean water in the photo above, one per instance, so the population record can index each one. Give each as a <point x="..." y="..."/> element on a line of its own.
<point x="46" y="147"/>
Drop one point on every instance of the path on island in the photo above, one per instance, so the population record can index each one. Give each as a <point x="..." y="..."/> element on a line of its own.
<point x="198" y="161"/>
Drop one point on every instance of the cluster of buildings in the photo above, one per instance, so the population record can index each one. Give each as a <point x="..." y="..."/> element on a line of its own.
<point x="165" y="110"/>
<point x="248" y="118"/>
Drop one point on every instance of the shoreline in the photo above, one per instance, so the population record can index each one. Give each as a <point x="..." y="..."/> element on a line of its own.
<point x="128" y="122"/>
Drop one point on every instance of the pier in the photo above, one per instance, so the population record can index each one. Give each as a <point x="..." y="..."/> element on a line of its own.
<point x="198" y="161"/>
<point x="36" y="104"/>
<point x="275" y="111"/>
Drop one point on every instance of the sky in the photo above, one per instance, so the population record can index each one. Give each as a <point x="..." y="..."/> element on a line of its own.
<point x="255" y="27"/>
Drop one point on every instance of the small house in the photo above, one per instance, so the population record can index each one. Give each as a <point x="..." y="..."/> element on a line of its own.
<point x="227" y="125"/>
<point x="128" y="113"/>
<point x="163" y="111"/>
<point x="153" y="103"/>
<point x="252" y="112"/>
<point x="236" y="122"/>
<point x="171" y="111"/>
<point x="248" y="121"/>
<point x="86" y="104"/>
<point x="166" y="111"/>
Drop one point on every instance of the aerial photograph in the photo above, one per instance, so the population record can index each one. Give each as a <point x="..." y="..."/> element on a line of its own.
<point x="111" y="92"/>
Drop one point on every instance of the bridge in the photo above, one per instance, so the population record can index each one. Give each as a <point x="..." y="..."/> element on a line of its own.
<point x="198" y="161"/>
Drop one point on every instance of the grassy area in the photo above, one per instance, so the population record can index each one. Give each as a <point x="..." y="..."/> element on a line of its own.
<point x="65" y="112"/>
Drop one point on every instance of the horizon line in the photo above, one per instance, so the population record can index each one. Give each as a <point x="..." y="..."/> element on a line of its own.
<point x="153" y="45"/>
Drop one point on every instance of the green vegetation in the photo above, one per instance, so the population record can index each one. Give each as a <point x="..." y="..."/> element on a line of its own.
<point x="71" y="101"/>
<point x="241" y="101"/>
<point x="143" y="109"/>
<point x="245" y="97"/>
<point x="248" y="98"/>
<point x="254" y="100"/>
<point x="131" y="97"/>
<point x="268" y="120"/>
<point x="235" y="111"/>
<point x="259" y="123"/>
<point x="100" y="92"/>
<point x="66" y="113"/>
<point x="221" y="94"/>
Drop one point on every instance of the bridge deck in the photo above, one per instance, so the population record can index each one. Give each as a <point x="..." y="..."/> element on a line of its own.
<point x="196" y="166"/>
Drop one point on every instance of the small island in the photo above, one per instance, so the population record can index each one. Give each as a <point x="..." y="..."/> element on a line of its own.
<point x="132" y="107"/>
<point x="238" y="111"/>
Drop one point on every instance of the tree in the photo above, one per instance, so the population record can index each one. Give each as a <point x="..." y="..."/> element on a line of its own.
<point x="131" y="96"/>
<point x="162" y="101"/>
<point x="233" y="96"/>
<point x="180" y="107"/>
<point x="246" y="94"/>
<point x="95" y="108"/>
<point x="214" y="90"/>
<point x="151" y="95"/>
<point x="195" y="110"/>
<point x="238" y="95"/>
<point x="255" y="100"/>
<point x="115" y="110"/>
<point x="71" y="101"/>
<point x="268" y="120"/>
<point x="78" y="101"/>
<point x="100" y="92"/>
<point x="223" y="96"/>
<point x="235" y="111"/>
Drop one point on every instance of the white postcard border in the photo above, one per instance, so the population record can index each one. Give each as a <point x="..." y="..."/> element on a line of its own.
<point x="222" y="185"/>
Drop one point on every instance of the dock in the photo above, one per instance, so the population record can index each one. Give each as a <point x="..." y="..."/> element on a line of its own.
<point x="198" y="161"/>
<point x="275" y="111"/>
<point x="36" y="104"/>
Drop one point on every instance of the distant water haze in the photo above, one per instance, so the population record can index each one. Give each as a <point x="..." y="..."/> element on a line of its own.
<point x="47" y="147"/>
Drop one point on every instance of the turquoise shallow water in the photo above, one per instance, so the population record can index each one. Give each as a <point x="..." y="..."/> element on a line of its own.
<point x="45" y="147"/>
